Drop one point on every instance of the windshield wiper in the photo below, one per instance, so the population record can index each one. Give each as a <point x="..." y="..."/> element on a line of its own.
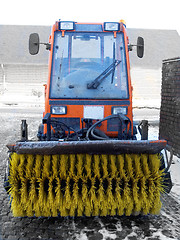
<point x="95" y="83"/>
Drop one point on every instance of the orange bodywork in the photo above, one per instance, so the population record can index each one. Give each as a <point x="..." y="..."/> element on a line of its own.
<point x="76" y="111"/>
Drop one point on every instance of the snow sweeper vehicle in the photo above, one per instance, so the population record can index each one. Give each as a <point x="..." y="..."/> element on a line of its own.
<point x="87" y="160"/>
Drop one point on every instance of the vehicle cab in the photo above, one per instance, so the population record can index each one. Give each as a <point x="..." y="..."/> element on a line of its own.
<point x="89" y="76"/>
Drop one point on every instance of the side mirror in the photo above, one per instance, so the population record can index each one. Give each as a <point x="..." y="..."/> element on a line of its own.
<point x="140" y="47"/>
<point x="33" y="43"/>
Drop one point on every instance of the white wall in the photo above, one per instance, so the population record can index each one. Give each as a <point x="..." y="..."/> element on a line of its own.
<point x="22" y="83"/>
<point x="146" y="87"/>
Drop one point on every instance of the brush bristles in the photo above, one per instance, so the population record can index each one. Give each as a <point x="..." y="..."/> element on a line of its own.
<point x="83" y="184"/>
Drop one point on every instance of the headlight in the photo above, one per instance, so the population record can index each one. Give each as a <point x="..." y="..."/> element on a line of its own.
<point x="111" y="26"/>
<point x="116" y="110"/>
<point x="59" y="110"/>
<point x="66" y="25"/>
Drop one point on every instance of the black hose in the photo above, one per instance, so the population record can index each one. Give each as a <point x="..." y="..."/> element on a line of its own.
<point x="95" y="124"/>
<point x="100" y="135"/>
<point x="91" y="129"/>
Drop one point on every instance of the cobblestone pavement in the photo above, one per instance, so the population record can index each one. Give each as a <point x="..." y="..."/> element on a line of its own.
<point x="164" y="226"/>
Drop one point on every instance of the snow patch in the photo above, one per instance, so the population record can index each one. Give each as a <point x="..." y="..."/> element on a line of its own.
<point x="107" y="234"/>
<point x="132" y="234"/>
<point x="81" y="236"/>
<point x="158" y="235"/>
<point x="119" y="227"/>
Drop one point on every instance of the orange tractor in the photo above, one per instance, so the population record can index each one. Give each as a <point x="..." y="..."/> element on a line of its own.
<point x="87" y="160"/>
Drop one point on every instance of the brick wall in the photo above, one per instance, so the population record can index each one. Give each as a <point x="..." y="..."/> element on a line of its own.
<point x="170" y="104"/>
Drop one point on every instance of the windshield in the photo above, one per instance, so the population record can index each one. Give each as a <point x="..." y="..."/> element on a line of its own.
<point x="89" y="66"/>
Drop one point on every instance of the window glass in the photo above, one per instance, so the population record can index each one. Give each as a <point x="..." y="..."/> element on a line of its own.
<point x="89" y="66"/>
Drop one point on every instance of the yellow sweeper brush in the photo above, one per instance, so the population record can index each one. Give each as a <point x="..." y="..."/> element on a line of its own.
<point x="85" y="184"/>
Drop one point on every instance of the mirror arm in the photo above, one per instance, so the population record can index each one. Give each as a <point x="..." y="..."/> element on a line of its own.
<point x="48" y="45"/>
<point x="130" y="46"/>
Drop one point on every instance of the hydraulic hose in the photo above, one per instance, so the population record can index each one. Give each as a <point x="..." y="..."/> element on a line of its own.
<point x="91" y="129"/>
